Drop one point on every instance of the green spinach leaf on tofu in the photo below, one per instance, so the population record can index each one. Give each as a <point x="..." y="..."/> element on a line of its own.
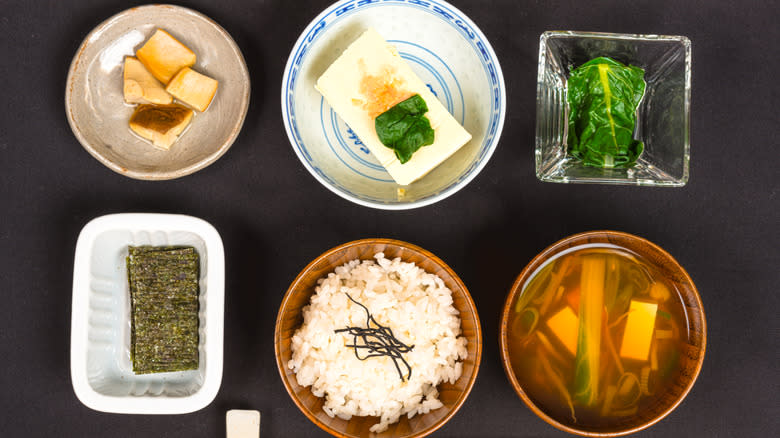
<point x="404" y="127"/>
<point x="603" y="97"/>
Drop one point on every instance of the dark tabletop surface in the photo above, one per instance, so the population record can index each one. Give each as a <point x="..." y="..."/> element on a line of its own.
<point x="274" y="217"/>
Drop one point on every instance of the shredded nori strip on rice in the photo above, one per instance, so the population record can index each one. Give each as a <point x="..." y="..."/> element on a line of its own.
<point x="164" y="308"/>
<point x="378" y="342"/>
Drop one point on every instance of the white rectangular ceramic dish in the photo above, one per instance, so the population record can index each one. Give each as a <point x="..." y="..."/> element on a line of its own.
<point x="100" y="366"/>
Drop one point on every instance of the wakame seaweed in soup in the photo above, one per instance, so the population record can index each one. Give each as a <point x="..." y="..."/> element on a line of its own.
<point x="164" y="308"/>
<point x="603" y="97"/>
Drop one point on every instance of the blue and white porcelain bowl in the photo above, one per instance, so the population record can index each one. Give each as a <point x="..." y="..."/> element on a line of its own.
<point x="444" y="48"/>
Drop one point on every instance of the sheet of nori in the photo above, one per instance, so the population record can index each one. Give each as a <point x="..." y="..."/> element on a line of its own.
<point x="164" y="308"/>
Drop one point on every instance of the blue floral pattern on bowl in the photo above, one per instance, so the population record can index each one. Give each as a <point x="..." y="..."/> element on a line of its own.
<point x="335" y="155"/>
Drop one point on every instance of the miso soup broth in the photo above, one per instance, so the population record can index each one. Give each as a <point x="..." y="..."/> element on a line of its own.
<point x="597" y="337"/>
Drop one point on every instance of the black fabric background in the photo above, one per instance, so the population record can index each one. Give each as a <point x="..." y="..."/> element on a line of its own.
<point x="274" y="217"/>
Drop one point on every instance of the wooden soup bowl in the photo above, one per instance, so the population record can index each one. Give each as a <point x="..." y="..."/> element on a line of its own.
<point x="692" y="355"/>
<point x="290" y="318"/>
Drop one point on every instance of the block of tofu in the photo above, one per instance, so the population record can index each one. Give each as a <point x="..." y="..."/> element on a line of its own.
<point x="163" y="55"/>
<point x="369" y="78"/>
<point x="242" y="423"/>
<point x="194" y="89"/>
<point x="161" y="124"/>
<point x="565" y="326"/>
<point x="638" y="333"/>
<point x="140" y="86"/>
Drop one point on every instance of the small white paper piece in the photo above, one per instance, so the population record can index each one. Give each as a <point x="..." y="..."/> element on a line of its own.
<point x="242" y="423"/>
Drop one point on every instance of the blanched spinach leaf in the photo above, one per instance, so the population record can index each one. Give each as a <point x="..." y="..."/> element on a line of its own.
<point x="603" y="97"/>
<point x="404" y="127"/>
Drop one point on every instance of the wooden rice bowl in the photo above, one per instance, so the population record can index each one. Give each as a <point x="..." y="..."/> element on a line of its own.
<point x="290" y="319"/>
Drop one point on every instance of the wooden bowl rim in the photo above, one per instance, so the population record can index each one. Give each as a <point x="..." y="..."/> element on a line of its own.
<point x="515" y="289"/>
<point x="405" y="245"/>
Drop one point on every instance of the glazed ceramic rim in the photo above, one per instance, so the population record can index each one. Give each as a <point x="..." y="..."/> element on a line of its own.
<point x="447" y="191"/>
<point x="521" y="279"/>
<point x="156" y="175"/>
<point x="214" y="315"/>
<point x="406" y="245"/>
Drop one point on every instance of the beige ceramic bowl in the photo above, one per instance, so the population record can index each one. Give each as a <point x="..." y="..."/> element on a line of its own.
<point x="99" y="117"/>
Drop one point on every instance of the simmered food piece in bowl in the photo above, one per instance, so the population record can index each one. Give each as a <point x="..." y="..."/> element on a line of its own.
<point x="377" y="338"/>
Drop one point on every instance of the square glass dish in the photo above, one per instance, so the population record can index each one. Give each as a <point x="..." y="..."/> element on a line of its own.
<point x="100" y="366"/>
<point x="663" y="114"/>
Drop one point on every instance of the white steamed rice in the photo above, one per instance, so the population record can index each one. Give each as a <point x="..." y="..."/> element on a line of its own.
<point x="416" y="305"/>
